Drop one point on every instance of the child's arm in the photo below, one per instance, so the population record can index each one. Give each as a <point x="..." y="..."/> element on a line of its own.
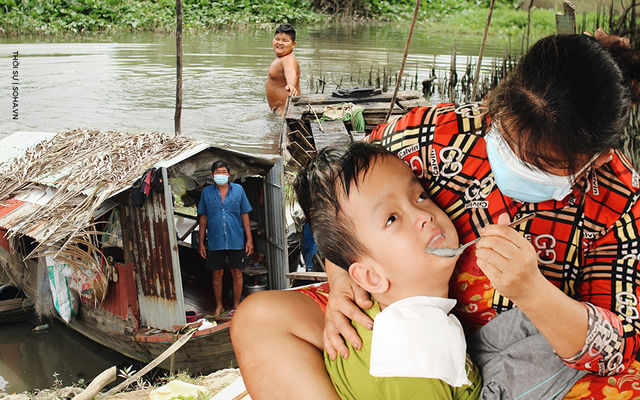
<point x="291" y="75"/>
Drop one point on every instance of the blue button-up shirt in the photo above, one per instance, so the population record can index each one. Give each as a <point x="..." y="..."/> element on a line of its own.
<point x="224" y="220"/>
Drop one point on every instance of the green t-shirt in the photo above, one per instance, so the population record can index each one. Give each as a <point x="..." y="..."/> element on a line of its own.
<point x="352" y="380"/>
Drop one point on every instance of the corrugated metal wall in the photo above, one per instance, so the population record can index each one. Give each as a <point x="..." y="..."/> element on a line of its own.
<point x="275" y="224"/>
<point x="157" y="266"/>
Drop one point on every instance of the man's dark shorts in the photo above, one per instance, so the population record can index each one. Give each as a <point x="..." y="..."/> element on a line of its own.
<point x="215" y="259"/>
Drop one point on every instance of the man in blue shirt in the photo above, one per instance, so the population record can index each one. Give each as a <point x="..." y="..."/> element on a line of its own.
<point x="223" y="211"/>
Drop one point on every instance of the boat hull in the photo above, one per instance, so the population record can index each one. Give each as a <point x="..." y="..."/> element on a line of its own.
<point x="207" y="351"/>
<point x="114" y="323"/>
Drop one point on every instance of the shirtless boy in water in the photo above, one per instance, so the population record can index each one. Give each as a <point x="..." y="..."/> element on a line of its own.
<point x="283" y="79"/>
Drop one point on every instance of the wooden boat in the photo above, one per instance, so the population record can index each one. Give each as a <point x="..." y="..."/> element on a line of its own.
<point x="135" y="286"/>
<point x="14" y="304"/>
<point x="305" y="130"/>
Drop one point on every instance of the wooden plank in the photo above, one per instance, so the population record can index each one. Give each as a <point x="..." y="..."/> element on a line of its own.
<point x="369" y="108"/>
<point x="327" y="133"/>
<point x="380" y="120"/>
<point x="298" y="125"/>
<point x="6" y="305"/>
<point x="313" y="110"/>
<point x="329" y="99"/>
<point x="358" y="136"/>
<point x="308" y="276"/>
<point x="566" y="24"/>
<point x="295" y="112"/>
<point x="413" y="103"/>
<point x="298" y="153"/>
<point x="298" y="137"/>
<point x="378" y="106"/>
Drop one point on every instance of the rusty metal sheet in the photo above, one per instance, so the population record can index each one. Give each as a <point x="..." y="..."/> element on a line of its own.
<point x="157" y="265"/>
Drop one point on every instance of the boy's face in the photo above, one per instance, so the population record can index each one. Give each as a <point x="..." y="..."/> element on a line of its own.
<point x="282" y="44"/>
<point x="395" y="220"/>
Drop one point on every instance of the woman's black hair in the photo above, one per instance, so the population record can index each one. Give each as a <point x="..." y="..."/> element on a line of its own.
<point x="566" y="101"/>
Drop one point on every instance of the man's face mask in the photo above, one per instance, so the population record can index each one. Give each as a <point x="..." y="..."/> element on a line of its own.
<point x="220" y="179"/>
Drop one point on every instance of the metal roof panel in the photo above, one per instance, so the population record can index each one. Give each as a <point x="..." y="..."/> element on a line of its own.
<point x="15" y="145"/>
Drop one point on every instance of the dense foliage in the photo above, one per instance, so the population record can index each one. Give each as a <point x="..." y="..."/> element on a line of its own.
<point x="53" y="16"/>
<point x="59" y="16"/>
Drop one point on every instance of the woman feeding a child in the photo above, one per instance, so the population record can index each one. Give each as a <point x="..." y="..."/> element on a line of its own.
<point x="544" y="142"/>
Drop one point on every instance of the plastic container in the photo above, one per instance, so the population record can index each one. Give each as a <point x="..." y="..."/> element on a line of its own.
<point x="41" y="327"/>
<point x="191" y="316"/>
<point x="255" y="287"/>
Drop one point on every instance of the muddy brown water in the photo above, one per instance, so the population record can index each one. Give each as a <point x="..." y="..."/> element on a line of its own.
<point x="37" y="359"/>
<point x="127" y="82"/>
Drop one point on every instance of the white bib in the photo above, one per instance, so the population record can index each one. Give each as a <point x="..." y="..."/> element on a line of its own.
<point x="416" y="337"/>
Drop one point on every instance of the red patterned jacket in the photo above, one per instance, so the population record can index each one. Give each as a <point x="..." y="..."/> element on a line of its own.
<point x="588" y="244"/>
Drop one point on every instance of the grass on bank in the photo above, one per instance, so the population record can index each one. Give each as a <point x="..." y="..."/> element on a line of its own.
<point x="55" y="17"/>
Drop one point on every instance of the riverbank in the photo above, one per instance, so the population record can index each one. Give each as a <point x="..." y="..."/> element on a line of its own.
<point x="211" y="384"/>
<point x="100" y="17"/>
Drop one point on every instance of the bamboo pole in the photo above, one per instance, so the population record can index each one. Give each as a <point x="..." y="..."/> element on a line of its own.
<point x="529" y="22"/>
<point x="404" y="60"/>
<point x="484" y="42"/>
<point x="178" y="115"/>
<point x="168" y="352"/>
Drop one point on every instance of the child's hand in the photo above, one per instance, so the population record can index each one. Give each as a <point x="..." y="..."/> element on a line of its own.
<point x="509" y="261"/>
<point x="292" y="90"/>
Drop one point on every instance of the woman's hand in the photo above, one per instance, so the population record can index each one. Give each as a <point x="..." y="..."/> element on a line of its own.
<point x="510" y="262"/>
<point x="341" y="309"/>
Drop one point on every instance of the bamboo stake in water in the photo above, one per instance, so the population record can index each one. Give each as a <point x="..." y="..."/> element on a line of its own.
<point x="178" y="115"/>
<point x="484" y="42"/>
<point x="404" y="60"/>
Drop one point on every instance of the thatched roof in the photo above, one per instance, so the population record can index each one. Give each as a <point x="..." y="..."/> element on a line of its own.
<point x="81" y="169"/>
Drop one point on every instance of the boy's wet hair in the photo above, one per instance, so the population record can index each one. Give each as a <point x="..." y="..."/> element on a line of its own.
<point x="220" y="164"/>
<point x="322" y="184"/>
<point x="287" y="29"/>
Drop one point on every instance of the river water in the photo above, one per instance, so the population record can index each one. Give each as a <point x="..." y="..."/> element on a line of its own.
<point x="127" y="82"/>
<point x="38" y="359"/>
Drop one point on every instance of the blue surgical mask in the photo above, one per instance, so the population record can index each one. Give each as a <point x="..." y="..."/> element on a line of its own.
<point x="220" y="179"/>
<point x="522" y="181"/>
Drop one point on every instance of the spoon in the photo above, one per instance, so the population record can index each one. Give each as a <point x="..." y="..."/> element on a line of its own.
<point x="451" y="253"/>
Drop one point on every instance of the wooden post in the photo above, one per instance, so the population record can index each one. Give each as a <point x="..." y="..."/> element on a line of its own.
<point x="484" y="42"/>
<point x="172" y="349"/>
<point x="529" y="22"/>
<point x="178" y="115"/>
<point x="404" y="60"/>
<point x="566" y="24"/>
